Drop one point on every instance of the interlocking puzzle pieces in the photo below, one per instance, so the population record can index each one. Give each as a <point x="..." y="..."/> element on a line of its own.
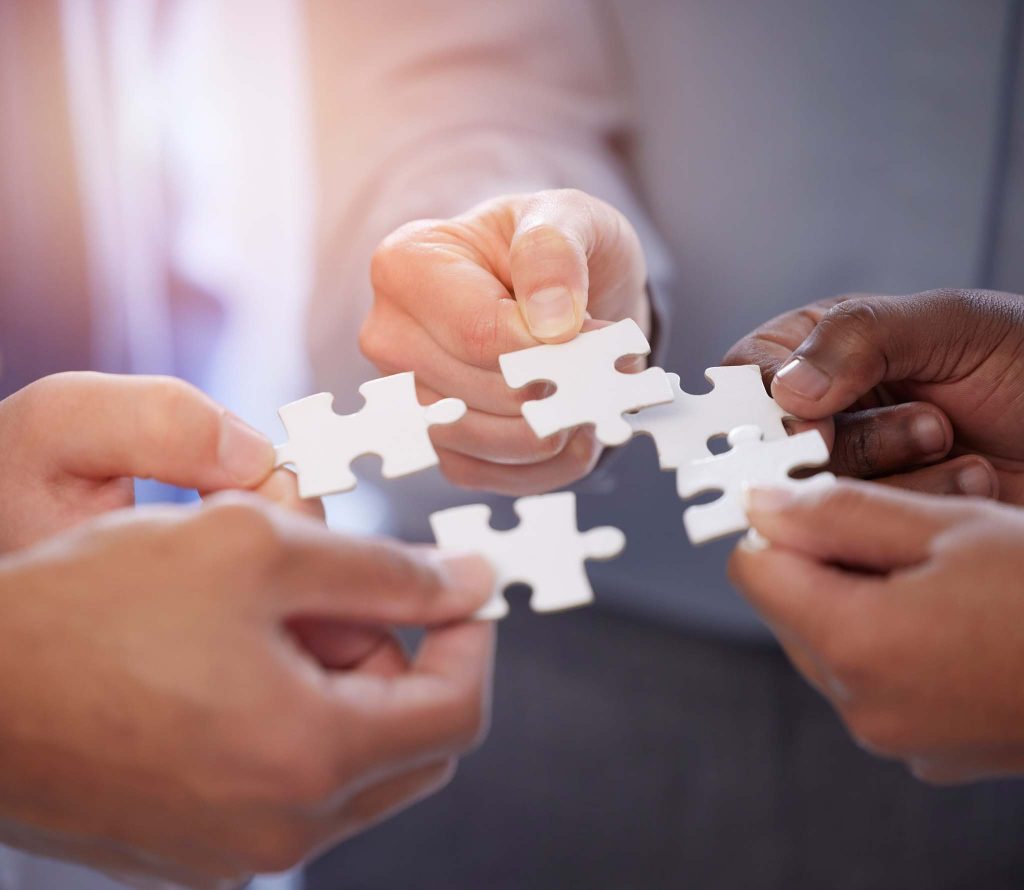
<point x="588" y="387"/>
<point x="322" y="445"/>
<point x="750" y="461"/>
<point x="682" y="428"/>
<point x="546" y="550"/>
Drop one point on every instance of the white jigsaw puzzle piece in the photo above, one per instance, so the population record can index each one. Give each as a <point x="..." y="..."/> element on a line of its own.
<point x="750" y="461"/>
<point x="546" y="550"/>
<point x="588" y="388"/>
<point x="393" y="424"/>
<point x="681" y="429"/>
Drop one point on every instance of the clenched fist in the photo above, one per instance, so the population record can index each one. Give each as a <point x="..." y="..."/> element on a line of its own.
<point x="450" y="296"/>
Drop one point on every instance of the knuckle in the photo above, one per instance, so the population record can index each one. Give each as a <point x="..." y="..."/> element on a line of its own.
<point x="389" y="260"/>
<point x="856" y="313"/>
<point x="481" y="332"/>
<point x="33" y="405"/>
<point x="573" y="196"/>
<point x="171" y="393"/>
<point x="857" y="322"/>
<point x="859" y="449"/>
<point x="374" y="340"/>
<point x="168" y="400"/>
<point x="243" y="527"/>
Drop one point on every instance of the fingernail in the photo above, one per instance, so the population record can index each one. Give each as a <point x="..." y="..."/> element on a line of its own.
<point x="551" y="312"/>
<point x="246" y="455"/>
<point x="766" y="499"/>
<point x="974" y="479"/>
<point x="804" y="378"/>
<point x="929" y="434"/>
<point x="469" y="575"/>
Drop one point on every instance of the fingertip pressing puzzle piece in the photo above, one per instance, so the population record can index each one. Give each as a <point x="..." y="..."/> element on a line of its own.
<point x="322" y="445"/>
<point x="750" y="461"/>
<point x="682" y="428"/>
<point x="546" y="550"/>
<point x="589" y="389"/>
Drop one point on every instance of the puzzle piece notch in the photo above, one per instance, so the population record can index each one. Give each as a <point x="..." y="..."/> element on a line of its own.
<point x="750" y="461"/>
<point x="682" y="428"/>
<point x="588" y="388"/>
<point x="546" y="550"/>
<point x="392" y="424"/>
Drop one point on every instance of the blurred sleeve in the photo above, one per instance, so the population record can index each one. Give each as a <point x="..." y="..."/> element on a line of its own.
<point x="425" y="109"/>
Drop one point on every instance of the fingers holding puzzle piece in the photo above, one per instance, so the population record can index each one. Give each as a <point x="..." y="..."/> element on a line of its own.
<point x="682" y="428"/>
<point x="546" y="550"/>
<point x="589" y="389"/>
<point x="750" y="461"/>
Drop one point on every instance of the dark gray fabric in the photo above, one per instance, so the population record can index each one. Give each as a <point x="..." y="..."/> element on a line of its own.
<point x="790" y="150"/>
<point x="627" y="757"/>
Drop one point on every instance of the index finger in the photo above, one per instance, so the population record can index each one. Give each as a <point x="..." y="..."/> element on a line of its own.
<point x="434" y="275"/>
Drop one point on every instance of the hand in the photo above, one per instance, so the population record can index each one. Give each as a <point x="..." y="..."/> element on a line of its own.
<point x="450" y="296"/>
<point x="72" y="443"/>
<point x="163" y="718"/>
<point x="920" y="378"/>
<point x="906" y="611"/>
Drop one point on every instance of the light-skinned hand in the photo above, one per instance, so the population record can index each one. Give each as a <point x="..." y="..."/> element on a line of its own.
<point x="452" y="295"/>
<point x="163" y="716"/>
<point x="72" y="443"/>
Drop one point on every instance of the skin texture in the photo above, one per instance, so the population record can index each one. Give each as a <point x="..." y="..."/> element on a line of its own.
<point x="202" y="693"/>
<point x="450" y="296"/>
<point x="72" y="443"/>
<point x="906" y="611"/>
<point x="880" y="365"/>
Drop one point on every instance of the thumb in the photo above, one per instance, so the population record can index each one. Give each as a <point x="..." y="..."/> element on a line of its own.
<point x="566" y="243"/>
<point x="104" y="426"/>
<point x="862" y="342"/>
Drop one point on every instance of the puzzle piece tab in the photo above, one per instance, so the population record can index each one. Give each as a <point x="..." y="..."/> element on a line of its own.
<point x="322" y="445"/>
<point x="751" y="461"/>
<point x="681" y="428"/>
<point x="588" y="388"/>
<point x="546" y="550"/>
